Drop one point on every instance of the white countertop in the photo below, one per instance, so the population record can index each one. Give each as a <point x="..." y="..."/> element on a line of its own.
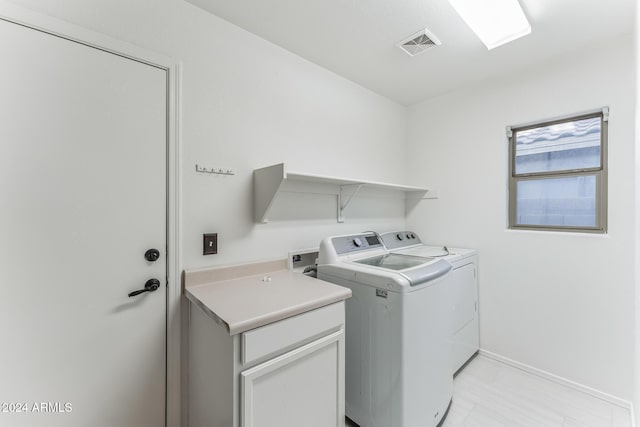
<point x="248" y="296"/>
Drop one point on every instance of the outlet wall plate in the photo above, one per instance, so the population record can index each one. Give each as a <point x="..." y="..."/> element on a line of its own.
<point x="209" y="243"/>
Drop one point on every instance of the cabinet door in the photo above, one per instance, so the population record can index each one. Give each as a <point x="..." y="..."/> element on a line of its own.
<point x="302" y="387"/>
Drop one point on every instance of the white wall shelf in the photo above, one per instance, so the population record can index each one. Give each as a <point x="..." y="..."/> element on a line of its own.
<point x="268" y="181"/>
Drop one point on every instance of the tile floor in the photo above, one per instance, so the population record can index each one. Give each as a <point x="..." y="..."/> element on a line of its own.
<point x="488" y="393"/>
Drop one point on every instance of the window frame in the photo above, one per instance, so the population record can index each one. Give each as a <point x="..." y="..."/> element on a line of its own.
<point x="600" y="174"/>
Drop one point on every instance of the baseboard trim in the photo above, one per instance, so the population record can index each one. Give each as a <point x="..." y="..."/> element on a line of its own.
<point x="560" y="380"/>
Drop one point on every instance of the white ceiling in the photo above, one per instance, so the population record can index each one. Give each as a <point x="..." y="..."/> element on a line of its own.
<point x="357" y="38"/>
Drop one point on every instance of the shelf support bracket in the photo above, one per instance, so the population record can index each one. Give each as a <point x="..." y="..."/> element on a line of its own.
<point x="342" y="206"/>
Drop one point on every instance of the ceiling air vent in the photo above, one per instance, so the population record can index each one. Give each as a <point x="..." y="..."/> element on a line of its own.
<point x="419" y="42"/>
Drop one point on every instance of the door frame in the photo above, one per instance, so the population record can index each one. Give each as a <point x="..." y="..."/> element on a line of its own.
<point x="18" y="15"/>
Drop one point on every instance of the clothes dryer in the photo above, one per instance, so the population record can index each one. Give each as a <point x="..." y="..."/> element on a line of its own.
<point x="397" y="328"/>
<point x="463" y="283"/>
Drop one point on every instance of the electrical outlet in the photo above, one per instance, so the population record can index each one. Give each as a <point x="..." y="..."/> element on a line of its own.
<point x="209" y="243"/>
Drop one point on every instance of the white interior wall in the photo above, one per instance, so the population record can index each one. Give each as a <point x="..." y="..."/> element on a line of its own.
<point x="560" y="302"/>
<point x="246" y="104"/>
<point x="636" y="400"/>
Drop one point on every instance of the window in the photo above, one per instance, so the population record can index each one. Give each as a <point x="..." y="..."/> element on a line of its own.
<point x="558" y="174"/>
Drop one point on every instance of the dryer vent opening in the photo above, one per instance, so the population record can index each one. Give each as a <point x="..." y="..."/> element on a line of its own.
<point x="419" y="42"/>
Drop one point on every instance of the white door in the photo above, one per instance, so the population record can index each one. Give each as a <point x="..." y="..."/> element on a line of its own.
<point x="82" y="198"/>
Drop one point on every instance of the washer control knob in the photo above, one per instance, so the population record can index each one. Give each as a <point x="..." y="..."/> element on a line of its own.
<point x="357" y="242"/>
<point x="412" y="236"/>
<point x="399" y="236"/>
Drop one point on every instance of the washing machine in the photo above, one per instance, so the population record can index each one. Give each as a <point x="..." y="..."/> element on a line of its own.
<point x="463" y="283"/>
<point x="397" y="370"/>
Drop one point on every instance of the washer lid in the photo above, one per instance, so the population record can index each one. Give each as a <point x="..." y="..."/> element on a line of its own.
<point x="395" y="261"/>
<point x="417" y="270"/>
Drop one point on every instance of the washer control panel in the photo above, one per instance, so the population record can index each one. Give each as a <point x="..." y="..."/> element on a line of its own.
<point x="357" y="242"/>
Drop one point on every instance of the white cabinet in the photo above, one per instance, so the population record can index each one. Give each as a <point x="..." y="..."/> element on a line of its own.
<point x="301" y="387"/>
<point x="287" y="373"/>
<point x="266" y="347"/>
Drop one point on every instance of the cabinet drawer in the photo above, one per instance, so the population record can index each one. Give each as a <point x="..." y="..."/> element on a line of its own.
<point x="283" y="335"/>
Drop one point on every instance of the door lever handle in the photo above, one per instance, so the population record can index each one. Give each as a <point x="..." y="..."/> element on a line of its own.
<point x="150" y="286"/>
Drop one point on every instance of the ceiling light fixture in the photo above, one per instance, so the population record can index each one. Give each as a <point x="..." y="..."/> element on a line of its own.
<point x="495" y="22"/>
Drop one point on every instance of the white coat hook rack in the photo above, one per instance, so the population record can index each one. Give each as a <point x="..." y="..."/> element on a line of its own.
<point x="214" y="171"/>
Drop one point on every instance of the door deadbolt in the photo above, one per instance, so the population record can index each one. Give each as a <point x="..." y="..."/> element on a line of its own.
<point x="152" y="255"/>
